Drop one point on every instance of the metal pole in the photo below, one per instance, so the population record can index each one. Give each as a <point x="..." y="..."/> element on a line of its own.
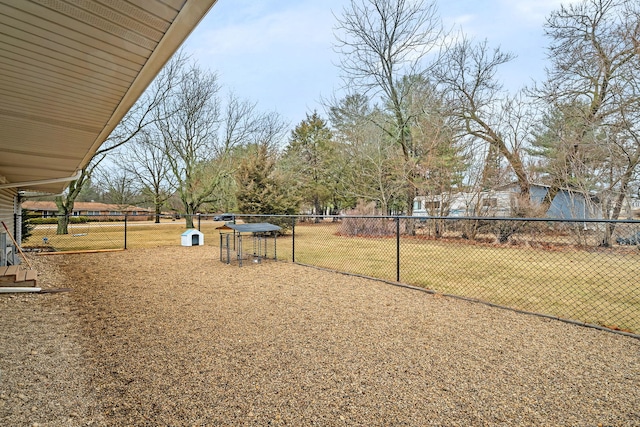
<point x="199" y="222"/>
<point x="293" y="239"/>
<point x="3" y="249"/>
<point x="125" y="231"/>
<point x="397" y="249"/>
<point x="16" y="229"/>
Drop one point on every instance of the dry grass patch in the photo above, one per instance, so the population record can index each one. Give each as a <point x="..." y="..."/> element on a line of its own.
<point x="597" y="287"/>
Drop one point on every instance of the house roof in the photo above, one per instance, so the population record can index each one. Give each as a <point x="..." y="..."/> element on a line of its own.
<point x="69" y="72"/>
<point x="46" y="206"/>
<point x="192" y="231"/>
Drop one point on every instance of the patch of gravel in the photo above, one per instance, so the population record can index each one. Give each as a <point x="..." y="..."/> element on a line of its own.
<point x="171" y="336"/>
<point x="42" y="371"/>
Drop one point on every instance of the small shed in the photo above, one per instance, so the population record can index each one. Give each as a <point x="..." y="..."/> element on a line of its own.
<point x="192" y="237"/>
<point x="253" y="242"/>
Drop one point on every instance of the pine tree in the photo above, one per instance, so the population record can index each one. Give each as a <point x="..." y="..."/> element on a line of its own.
<point x="260" y="188"/>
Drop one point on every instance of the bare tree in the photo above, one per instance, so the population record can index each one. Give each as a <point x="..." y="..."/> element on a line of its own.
<point x="381" y="42"/>
<point x="146" y="160"/>
<point x="439" y="159"/>
<point x="594" y="80"/>
<point x="375" y="169"/>
<point x="190" y="136"/>
<point x="484" y="111"/>
<point x="141" y="115"/>
<point x="118" y="184"/>
<point x="201" y="133"/>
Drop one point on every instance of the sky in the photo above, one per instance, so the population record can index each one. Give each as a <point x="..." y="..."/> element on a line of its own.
<point x="279" y="53"/>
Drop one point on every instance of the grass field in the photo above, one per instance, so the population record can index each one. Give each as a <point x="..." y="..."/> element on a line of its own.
<point x="593" y="286"/>
<point x="596" y="287"/>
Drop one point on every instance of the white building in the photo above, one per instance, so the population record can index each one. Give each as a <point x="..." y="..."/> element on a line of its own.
<point x="502" y="202"/>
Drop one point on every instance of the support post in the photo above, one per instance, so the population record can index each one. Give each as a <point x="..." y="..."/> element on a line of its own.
<point x="293" y="239"/>
<point x="17" y="227"/>
<point x="397" y="249"/>
<point x="3" y="249"/>
<point x="125" y="231"/>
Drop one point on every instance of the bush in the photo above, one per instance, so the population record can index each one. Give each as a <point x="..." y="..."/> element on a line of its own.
<point x="105" y="218"/>
<point x="36" y="221"/>
<point x="26" y="225"/>
<point x="370" y="227"/>
<point x="54" y="220"/>
<point x="520" y="208"/>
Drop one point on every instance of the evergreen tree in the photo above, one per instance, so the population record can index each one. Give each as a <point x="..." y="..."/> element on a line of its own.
<point x="310" y="156"/>
<point x="261" y="189"/>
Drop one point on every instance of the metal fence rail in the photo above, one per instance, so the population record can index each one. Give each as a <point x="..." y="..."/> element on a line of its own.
<point x="550" y="267"/>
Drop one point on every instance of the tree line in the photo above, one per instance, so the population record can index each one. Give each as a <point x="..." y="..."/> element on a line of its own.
<point x="422" y="112"/>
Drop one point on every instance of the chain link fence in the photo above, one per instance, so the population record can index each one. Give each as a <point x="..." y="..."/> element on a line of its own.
<point x="107" y="232"/>
<point x="557" y="268"/>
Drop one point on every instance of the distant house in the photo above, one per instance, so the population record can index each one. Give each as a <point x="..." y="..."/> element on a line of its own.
<point x="92" y="209"/>
<point x="567" y="204"/>
<point x="631" y="209"/>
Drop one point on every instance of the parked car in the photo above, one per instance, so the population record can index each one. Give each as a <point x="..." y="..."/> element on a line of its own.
<point x="224" y="217"/>
<point x="634" y="239"/>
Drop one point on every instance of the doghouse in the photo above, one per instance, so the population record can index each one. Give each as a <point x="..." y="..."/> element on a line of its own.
<point x="192" y="237"/>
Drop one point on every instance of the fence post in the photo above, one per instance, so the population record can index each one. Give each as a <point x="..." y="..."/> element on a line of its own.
<point x="293" y="239"/>
<point x="16" y="235"/>
<point x="198" y="221"/>
<point x="125" y="230"/>
<point x="397" y="248"/>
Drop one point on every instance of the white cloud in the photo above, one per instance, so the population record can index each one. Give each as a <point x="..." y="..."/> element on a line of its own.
<point x="533" y="12"/>
<point x="279" y="52"/>
<point x="294" y="28"/>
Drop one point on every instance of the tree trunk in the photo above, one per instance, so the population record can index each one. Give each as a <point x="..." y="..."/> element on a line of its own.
<point x="410" y="228"/>
<point x="189" y="220"/>
<point x="157" y="213"/>
<point x="65" y="203"/>
<point x="65" y="207"/>
<point x="615" y="214"/>
<point x="63" y="224"/>
<point x="190" y="211"/>
<point x="317" y="208"/>
<point x="617" y="206"/>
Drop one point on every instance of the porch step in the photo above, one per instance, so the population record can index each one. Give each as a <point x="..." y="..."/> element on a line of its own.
<point x="14" y="276"/>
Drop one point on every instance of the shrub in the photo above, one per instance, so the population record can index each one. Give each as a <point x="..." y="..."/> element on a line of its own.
<point x="26" y="225"/>
<point x="363" y="225"/>
<point x="54" y="220"/>
<point x="36" y="221"/>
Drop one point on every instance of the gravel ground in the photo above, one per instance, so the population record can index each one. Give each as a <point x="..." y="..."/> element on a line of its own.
<point x="172" y="337"/>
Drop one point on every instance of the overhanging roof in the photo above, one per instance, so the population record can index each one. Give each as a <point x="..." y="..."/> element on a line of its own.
<point x="69" y="72"/>
<point x="255" y="227"/>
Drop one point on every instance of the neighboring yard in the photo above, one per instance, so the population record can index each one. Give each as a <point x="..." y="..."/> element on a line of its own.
<point x="586" y="285"/>
<point x="171" y="336"/>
